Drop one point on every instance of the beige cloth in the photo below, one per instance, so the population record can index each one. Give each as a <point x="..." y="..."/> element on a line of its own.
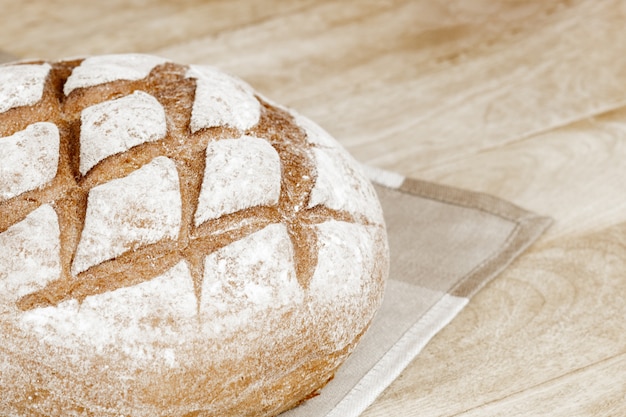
<point x="445" y="245"/>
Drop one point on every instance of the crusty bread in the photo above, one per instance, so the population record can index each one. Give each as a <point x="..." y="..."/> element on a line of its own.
<point x="173" y="244"/>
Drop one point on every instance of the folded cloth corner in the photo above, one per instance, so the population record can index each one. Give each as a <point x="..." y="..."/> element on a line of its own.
<point x="445" y="244"/>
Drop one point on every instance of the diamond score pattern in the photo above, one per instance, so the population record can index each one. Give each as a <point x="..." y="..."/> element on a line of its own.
<point x="175" y="92"/>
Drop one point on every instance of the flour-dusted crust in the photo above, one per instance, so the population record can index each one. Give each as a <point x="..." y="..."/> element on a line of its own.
<point x="138" y="320"/>
<point x="29" y="159"/>
<point x="238" y="174"/>
<point x="172" y="244"/>
<point x="102" y="69"/>
<point x="222" y="100"/>
<point x="23" y="271"/>
<point x="232" y="298"/>
<point x="115" y="126"/>
<point x="130" y="212"/>
<point x="21" y="85"/>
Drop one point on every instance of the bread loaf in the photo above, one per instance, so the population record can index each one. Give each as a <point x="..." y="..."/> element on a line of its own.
<point x="173" y="244"/>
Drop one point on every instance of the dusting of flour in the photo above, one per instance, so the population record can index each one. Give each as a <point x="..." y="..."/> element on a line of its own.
<point x="239" y="173"/>
<point x="222" y="100"/>
<point x="315" y="134"/>
<point x="28" y="159"/>
<point x="352" y="193"/>
<point x="115" y="126"/>
<point x="141" y="208"/>
<point x="29" y="255"/>
<point x="251" y="277"/>
<point x="136" y="320"/>
<point x="340" y="283"/>
<point x="106" y="68"/>
<point x="22" y="85"/>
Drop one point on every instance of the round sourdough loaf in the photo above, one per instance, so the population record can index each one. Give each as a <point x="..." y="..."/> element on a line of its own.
<point x="173" y="244"/>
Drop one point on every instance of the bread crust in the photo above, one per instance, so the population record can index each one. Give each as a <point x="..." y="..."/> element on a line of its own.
<point x="196" y="251"/>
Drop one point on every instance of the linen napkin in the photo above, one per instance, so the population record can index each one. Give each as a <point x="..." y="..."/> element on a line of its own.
<point x="445" y="245"/>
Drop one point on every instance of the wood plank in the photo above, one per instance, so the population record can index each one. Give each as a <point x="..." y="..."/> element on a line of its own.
<point x="596" y="390"/>
<point x="575" y="173"/>
<point x="61" y="28"/>
<point x="554" y="317"/>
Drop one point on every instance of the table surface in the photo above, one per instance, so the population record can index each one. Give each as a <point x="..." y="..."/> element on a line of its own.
<point x="525" y="100"/>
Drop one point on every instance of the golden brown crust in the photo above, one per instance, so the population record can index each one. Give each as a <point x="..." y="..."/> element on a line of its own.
<point x="293" y="345"/>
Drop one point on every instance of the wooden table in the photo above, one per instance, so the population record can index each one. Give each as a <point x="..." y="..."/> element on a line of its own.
<point x="525" y="100"/>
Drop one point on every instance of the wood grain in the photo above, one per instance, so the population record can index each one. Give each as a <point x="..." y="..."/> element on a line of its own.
<point x="537" y="341"/>
<point x="60" y="28"/>
<point x="525" y="100"/>
<point x="573" y="173"/>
